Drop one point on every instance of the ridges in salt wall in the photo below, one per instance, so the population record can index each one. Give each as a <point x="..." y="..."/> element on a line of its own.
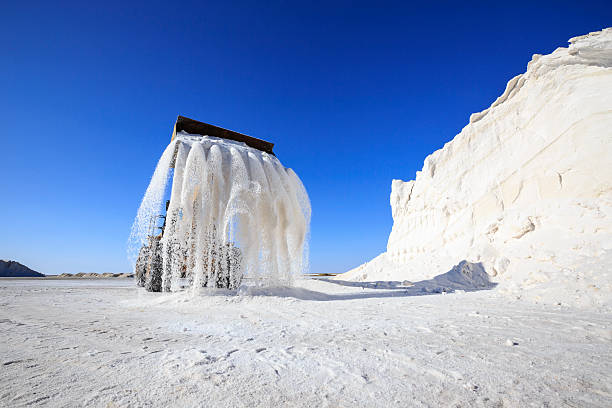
<point x="525" y="188"/>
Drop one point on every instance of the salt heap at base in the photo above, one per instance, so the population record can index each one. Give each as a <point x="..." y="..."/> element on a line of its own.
<point x="234" y="211"/>
<point x="525" y="188"/>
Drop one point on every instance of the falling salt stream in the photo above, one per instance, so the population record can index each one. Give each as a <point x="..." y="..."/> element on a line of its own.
<point x="234" y="212"/>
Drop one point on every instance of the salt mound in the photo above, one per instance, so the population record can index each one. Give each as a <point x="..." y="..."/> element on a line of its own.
<point x="525" y="188"/>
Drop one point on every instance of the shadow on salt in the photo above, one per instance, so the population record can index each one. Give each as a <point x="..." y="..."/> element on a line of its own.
<point x="464" y="277"/>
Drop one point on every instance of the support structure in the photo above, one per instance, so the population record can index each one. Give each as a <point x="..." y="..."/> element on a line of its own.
<point x="149" y="265"/>
<point x="200" y="128"/>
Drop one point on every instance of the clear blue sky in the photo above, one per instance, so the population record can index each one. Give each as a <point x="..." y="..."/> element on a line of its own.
<point x="352" y="94"/>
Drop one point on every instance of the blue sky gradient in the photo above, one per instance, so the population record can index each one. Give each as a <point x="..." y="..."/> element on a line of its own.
<point x="353" y="95"/>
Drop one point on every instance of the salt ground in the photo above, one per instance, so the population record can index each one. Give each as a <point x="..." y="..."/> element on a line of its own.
<point x="107" y="343"/>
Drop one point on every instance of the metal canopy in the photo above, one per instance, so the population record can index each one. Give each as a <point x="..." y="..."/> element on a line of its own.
<point x="200" y="128"/>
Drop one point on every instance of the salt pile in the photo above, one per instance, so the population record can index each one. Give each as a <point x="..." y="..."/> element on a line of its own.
<point x="234" y="211"/>
<point x="525" y="188"/>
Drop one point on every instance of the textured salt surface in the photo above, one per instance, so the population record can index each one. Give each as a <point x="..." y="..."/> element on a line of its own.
<point x="318" y="344"/>
<point x="525" y="188"/>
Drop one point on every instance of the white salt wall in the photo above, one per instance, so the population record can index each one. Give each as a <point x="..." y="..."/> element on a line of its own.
<point x="525" y="188"/>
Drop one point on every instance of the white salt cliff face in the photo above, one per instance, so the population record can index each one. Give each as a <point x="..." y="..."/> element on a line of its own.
<point x="525" y="188"/>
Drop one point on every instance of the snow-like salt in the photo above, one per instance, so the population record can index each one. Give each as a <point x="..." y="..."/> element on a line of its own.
<point x="234" y="211"/>
<point x="106" y="343"/>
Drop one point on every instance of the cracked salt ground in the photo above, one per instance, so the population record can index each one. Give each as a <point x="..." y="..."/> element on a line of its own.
<point x="318" y="344"/>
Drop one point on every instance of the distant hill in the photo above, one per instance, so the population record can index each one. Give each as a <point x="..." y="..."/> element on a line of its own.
<point x="13" y="269"/>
